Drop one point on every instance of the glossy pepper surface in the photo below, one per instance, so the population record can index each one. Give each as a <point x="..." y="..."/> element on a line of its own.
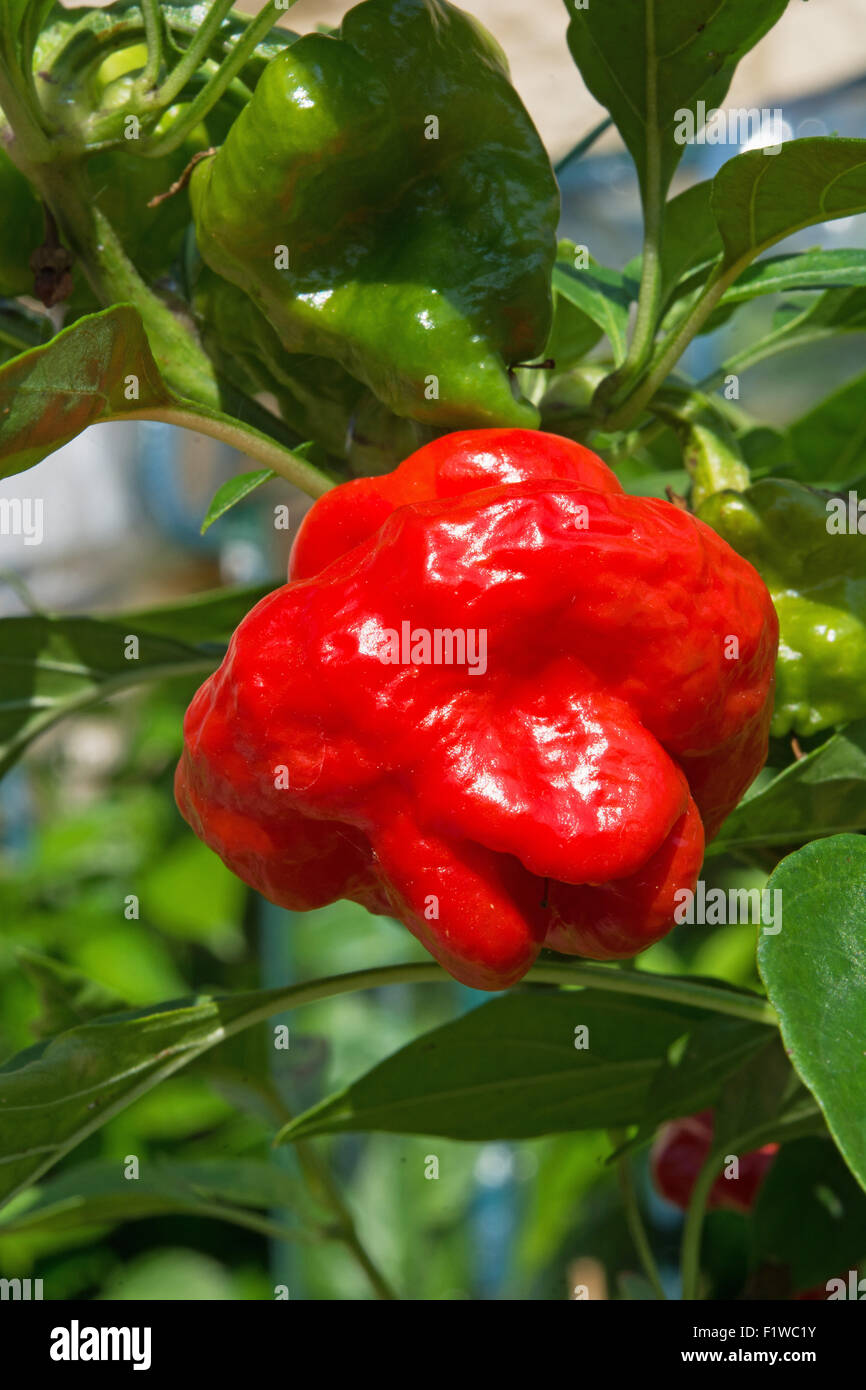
<point x="816" y="573"/>
<point x="316" y="397"/>
<point x="680" y="1150"/>
<point x="555" y="792"/>
<point x="414" y="203"/>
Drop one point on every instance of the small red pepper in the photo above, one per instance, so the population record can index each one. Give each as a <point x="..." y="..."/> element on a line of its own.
<point x="680" y="1150"/>
<point x="499" y="699"/>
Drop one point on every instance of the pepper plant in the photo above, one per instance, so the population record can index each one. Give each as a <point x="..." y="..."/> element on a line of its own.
<point x="338" y="252"/>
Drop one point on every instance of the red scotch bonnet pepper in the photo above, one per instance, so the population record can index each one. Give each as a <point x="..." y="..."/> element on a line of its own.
<point x="560" y="796"/>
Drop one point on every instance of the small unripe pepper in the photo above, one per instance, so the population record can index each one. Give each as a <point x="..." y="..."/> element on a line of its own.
<point x="556" y="791"/>
<point x="813" y="559"/>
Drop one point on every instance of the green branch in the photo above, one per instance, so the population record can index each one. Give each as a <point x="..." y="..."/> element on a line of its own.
<point x="196" y="51"/>
<point x="206" y="99"/>
<point x="633" y="1217"/>
<point x="255" y="445"/>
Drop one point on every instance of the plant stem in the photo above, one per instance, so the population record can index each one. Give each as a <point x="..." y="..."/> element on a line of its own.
<point x="253" y="443"/>
<point x="671" y="351"/>
<point x="634" y="1219"/>
<point x="319" y="1178"/>
<point x="673" y="988"/>
<point x="115" y="280"/>
<point x="669" y="987"/>
<point x="213" y="89"/>
<point x="690" y="1250"/>
<point x="153" y="34"/>
<point x="195" y="51"/>
<point x="615" y="387"/>
<point x="579" y="150"/>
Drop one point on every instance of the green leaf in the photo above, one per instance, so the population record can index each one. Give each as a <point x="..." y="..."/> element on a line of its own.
<point x="51" y="667"/>
<point x="844" y="267"/>
<point x="471" y="1079"/>
<point x="798" y="325"/>
<point x="573" y="331"/>
<point x="646" y="61"/>
<point x="815" y="974"/>
<point x="691" y="1078"/>
<point x="211" y="616"/>
<point x="763" y="1100"/>
<point x="54" y="667"/>
<point x="822" y="793"/>
<point x="21" y="329"/>
<point x="758" y="198"/>
<point x="99" y="1194"/>
<point x="67" y="997"/>
<point x="603" y="295"/>
<point x="691" y="239"/>
<point x="829" y="1234"/>
<point x="56" y="1093"/>
<point x="102" y="369"/>
<point x="842" y="270"/>
<point x="828" y="443"/>
<point x="713" y="460"/>
<point x="234" y="491"/>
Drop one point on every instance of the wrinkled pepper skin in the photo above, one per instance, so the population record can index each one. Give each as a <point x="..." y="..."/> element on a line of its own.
<point x="422" y="265"/>
<point x="680" y="1150"/>
<point x="561" y="795"/>
<point x="818" y="582"/>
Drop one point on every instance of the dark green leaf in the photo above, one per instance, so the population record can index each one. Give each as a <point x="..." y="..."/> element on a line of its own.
<point x="815" y="974"/>
<point x="762" y="1100"/>
<point x="56" y="1093"/>
<point x="828" y="1236"/>
<point x="472" y="1079"/>
<point x="822" y="793"/>
<point x="99" y="1194"/>
<point x="646" y="61"/>
<point x="51" y="667"/>
<point x="234" y="491"/>
<point x="828" y="443"/>
<point x="54" y="667"/>
<point x="692" y="1078"/>
<point x="21" y="329"/>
